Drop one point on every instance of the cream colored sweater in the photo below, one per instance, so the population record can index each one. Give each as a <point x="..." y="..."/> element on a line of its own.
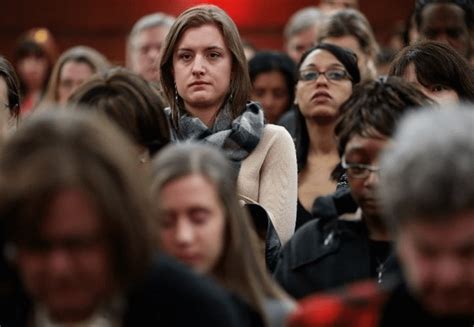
<point x="269" y="176"/>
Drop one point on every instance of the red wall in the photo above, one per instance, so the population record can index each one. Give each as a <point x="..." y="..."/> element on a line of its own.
<point x="103" y="24"/>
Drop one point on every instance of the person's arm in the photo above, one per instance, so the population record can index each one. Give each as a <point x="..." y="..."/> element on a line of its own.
<point x="278" y="182"/>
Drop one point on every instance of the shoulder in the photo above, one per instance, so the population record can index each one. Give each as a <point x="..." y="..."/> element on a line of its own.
<point x="318" y="238"/>
<point x="170" y="288"/>
<point x="275" y="138"/>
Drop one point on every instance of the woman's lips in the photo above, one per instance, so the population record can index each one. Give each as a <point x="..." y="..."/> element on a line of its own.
<point x="321" y="96"/>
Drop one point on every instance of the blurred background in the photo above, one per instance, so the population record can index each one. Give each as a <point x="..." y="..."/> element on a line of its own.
<point x="104" y="24"/>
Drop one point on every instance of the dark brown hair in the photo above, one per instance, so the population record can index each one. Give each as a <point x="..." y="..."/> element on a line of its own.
<point x="130" y="102"/>
<point x="437" y="64"/>
<point x="7" y="72"/>
<point x="197" y="16"/>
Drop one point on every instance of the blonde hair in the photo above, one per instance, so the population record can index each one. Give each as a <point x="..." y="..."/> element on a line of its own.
<point x="97" y="62"/>
<point x="241" y="267"/>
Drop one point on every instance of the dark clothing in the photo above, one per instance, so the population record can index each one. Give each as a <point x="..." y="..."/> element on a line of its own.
<point x="402" y="309"/>
<point x="328" y="206"/>
<point x="366" y="304"/>
<point x="288" y="120"/>
<point x="302" y="215"/>
<point x="325" y="254"/>
<point x="170" y="295"/>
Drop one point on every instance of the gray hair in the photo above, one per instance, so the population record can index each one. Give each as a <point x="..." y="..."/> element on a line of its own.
<point x="302" y="20"/>
<point x="428" y="174"/>
<point x="149" y="21"/>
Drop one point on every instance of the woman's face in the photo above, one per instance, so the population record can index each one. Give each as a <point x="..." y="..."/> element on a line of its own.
<point x="438" y="93"/>
<point x="193" y="222"/>
<point x="269" y="88"/>
<point x="72" y="75"/>
<point x="321" y="98"/>
<point x="202" y="66"/>
<point x="33" y="71"/>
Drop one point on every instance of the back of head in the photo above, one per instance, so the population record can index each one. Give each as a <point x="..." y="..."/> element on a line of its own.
<point x="436" y="64"/>
<point x="198" y="16"/>
<point x="128" y="100"/>
<point x="97" y="62"/>
<point x="428" y="172"/>
<point x="62" y="150"/>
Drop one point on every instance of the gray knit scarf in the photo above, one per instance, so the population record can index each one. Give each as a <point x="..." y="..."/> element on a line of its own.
<point x="237" y="138"/>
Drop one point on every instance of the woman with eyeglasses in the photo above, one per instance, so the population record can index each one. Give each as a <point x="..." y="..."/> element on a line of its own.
<point x="336" y="250"/>
<point x="326" y="75"/>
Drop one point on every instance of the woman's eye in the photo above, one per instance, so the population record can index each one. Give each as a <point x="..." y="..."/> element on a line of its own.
<point x="438" y="88"/>
<point x="214" y="55"/>
<point x="185" y="56"/>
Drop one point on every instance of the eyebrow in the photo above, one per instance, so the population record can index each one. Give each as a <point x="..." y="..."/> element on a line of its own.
<point x="215" y="47"/>
<point x="334" y="65"/>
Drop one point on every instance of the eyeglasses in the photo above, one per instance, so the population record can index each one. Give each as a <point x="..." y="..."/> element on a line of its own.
<point x="358" y="170"/>
<point x="331" y="75"/>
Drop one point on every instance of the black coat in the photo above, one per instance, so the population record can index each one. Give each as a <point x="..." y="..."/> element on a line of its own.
<point x="170" y="295"/>
<point x="326" y="253"/>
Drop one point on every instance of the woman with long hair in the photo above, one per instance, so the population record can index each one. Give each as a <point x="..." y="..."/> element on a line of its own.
<point x="202" y="224"/>
<point x="205" y="79"/>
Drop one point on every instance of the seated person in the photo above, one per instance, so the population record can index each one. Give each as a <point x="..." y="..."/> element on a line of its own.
<point x="428" y="202"/>
<point x="333" y="251"/>
<point x="77" y="227"/>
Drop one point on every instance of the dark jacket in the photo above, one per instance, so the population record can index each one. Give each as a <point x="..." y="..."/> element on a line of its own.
<point x="170" y="295"/>
<point x="324" y="254"/>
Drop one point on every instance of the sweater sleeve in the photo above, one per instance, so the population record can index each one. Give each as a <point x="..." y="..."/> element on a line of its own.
<point x="278" y="183"/>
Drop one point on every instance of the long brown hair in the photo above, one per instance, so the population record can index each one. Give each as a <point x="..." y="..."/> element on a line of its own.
<point x="240" y="85"/>
<point x="241" y="267"/>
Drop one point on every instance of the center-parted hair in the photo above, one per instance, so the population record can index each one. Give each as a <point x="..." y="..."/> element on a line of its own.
<point x="241" y="266"/>
<point x="349" y="60"/>
<point x="198" y="16"/>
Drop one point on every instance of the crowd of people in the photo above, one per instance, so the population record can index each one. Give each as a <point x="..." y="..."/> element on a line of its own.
<point x="212" y="183"/>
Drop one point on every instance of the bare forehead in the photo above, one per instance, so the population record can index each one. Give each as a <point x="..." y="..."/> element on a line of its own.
<point x="205" y="36"/>
<point x="321" y="58"/>
<point x="441" y="13"/>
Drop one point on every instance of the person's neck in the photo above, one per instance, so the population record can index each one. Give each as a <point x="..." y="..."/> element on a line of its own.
<point x="322" y="140"/>
<point x="377" y="229"/>
<point x="206" y="115"/>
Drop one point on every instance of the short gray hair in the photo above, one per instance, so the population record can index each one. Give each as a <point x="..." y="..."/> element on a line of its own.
<point x="150" y="21"/>
<point x="428" y="174"/>
<point x="302" y="20"/>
